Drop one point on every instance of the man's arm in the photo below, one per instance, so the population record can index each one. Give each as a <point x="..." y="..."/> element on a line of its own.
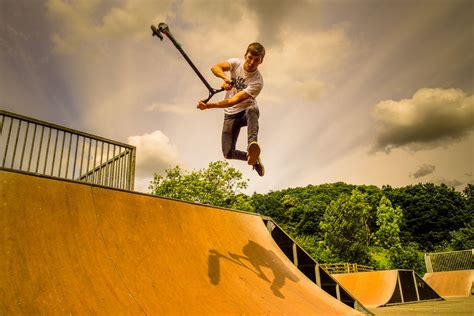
<point x="237" y="98"/>
<point x="219" y="70"/>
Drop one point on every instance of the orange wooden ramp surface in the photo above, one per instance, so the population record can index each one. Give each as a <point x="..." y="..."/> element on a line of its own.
<point x="380" y="288"/>
<point x="70" y="248"/>
<point x="372" y="289"/>
<point x="451" y="283"/>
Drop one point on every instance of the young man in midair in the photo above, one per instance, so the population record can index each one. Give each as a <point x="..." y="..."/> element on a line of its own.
<point x="240" y="104"/>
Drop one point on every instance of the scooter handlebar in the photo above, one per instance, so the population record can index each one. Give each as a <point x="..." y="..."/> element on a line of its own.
<point x="156" y="32"/>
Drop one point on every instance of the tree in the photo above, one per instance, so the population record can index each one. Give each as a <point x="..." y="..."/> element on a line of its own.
<point x="462" y="239"/>
<point x="468" y="193"/>
<point x="406" y="257"/>
<point x="269" y="204"/>
<point x="388" y="221"/>
<point x="430" y="213"/>
<point x="218" y="185"/>
<point x="344" y="227"/>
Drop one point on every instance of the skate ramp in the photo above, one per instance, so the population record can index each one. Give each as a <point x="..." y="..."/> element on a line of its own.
<point x="380" y="288"/>
<point x="372" y="289"/>
<point x="71" y="248"/>
<point x="451" y="283"/>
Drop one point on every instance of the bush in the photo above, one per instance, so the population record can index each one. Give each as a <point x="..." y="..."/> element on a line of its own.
<point x="407" y="257"/>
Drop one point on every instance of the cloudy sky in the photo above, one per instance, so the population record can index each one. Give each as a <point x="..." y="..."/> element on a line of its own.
<point x="361" y="91"/>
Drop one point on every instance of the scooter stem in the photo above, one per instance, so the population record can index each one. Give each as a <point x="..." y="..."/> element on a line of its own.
<point x="164" y="29"/>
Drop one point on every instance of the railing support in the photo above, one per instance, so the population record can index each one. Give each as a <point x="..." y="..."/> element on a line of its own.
<point x="64" y="153"/>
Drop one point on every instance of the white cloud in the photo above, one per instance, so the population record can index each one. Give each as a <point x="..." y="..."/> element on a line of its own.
<point x="155" y="153"/>
<point x="431" y="118"/>
<point x="170" y="108"/>
<point x="310" y="90"/>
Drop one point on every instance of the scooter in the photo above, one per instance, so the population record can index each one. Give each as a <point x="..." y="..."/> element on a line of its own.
<point x="164" y="29"/>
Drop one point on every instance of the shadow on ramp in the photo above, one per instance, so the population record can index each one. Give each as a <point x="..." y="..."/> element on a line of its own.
<point x="72" y="248"/>
<point x="254" y="258"/>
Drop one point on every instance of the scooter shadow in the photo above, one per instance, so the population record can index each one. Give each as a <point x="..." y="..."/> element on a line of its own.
<point x="253" y="258"/>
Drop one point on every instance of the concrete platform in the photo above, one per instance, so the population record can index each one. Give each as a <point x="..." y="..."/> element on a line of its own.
<point x="460" y="306"/>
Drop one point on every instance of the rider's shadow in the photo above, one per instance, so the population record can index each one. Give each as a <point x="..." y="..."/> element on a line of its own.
<point x="258" y="257"/>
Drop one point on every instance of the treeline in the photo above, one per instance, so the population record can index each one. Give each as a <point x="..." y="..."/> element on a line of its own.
<point x="383" y="227"/>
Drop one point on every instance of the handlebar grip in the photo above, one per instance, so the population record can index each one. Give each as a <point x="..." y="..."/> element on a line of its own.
<point x="156" y="32"/>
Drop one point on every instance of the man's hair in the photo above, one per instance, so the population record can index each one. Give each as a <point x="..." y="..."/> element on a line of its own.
<point x="256" y="49"/>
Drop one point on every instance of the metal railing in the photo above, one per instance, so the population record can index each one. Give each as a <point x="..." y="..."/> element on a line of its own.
<point x="335" y="268"/>
<point x="39" y="147"/>
<point x="449" y="261"/>
<point x="310" y="268"/>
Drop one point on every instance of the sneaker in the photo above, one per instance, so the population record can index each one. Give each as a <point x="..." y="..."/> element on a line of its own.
<point x="253" y="152"/>
<point x="258" y="166"/>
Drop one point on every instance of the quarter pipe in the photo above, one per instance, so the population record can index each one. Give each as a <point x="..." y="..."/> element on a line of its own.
<point x="380" y="288"/>
<point x="451" y="283"/>
<point x="73" y="248"/>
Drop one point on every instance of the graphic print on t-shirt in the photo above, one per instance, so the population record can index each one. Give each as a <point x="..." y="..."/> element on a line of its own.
<point x="239" y="83"/>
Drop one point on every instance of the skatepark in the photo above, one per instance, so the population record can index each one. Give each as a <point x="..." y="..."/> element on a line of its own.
<point x="82" y="244"/>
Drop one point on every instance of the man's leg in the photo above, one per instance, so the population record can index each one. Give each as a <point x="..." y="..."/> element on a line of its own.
<point x="230" y="134"/>
<point x="253" y="149"/>
<point x="251" y="115"/>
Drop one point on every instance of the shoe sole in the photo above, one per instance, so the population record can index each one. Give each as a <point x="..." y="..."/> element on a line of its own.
<point x="253" y="153"/>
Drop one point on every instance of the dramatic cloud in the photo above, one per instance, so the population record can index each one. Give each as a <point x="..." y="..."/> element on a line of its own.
<point x="94" y="66"/>
<point x="424" y="170"/>
<point x="154" y="153"/>
<point x="92" y="24"/>
<point x="432" y="118"/>
<point x="453" y="183"/>
<point x="327" y="50"/>
<point x="273" y="18"/>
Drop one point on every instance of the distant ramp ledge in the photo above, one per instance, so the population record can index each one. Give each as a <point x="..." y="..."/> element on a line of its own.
<point x="451" y="283"/>
<point x="380" y="288"/>
<point x="71" y="248"/>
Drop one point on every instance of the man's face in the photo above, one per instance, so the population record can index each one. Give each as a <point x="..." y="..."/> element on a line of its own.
<point x="252" y="62"/>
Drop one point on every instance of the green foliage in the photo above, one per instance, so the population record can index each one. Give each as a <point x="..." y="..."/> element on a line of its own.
<point x="407" y="257"/>
<point x="269" y="205"/>
<point x="315" y="248"/>
<point x="218" y="185"/>
<point x="468" y="194"/>
<point x="461" y="239"/>
<point x="380" y="258"/>
<point x="344" y="227"/>
<point x="242" y="202"/>
<point x="387" y="227"/>
<point x="388" y="220"/>
<point x="430" y="213"/>
<point x="299" y="210"/>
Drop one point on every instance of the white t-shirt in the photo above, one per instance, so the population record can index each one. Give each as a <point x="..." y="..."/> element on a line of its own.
<point x="250" y="82"/>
